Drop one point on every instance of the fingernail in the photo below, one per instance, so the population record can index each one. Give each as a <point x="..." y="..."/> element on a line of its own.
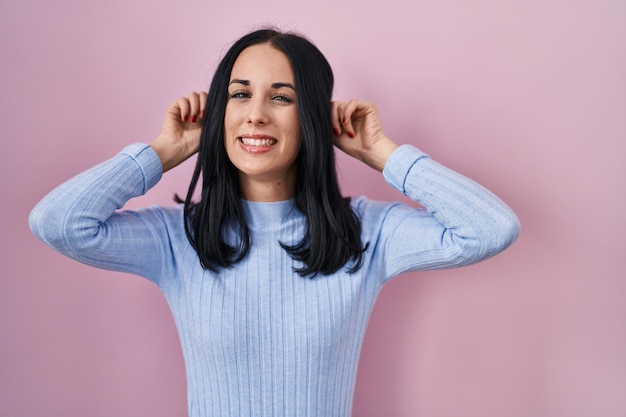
<point x="336" y="132"/>
<point x="185" y="118"/>
<point x="193" y="119"/>
<point x="351" y="135"/>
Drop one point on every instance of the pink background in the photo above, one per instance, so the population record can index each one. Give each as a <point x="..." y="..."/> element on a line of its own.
<point x="527" y="97"/>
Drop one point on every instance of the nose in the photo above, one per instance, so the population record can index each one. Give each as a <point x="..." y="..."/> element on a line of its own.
<point x="258" y="115"/>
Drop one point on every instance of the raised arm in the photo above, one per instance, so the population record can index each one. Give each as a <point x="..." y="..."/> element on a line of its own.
<point x="81" y="218"/>
<point x="462" y="223"/>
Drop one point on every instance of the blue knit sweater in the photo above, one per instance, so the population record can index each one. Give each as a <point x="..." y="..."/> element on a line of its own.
<point x="258" y="339"/>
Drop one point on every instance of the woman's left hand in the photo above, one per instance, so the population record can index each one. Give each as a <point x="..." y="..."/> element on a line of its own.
<point x="359" y="133"/>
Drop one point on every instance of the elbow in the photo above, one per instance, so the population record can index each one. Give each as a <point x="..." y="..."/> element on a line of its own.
<point x="45" y="226"/>
<point x="58" y="228"/>
<point x="489" y="240"/>
<point x="502" y="235"/>
<point x="68" y="232"/>
<point x="512" y="230"/>
<point x="36" y="222"/>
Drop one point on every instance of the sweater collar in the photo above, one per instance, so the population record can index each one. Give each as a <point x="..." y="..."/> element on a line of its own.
<point x="265" y="215"/>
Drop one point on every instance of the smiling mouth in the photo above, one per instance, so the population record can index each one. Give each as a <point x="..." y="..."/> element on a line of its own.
<point x="264" y="142"/>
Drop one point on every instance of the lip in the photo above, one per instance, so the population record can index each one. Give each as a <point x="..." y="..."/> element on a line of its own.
<point x="256" y="136"/>
<point x="253" y="148"/>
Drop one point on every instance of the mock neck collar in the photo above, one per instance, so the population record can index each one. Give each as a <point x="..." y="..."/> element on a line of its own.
<point x="266" y="215"/>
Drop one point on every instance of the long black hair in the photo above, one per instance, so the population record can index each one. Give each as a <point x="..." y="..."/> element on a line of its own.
<point x="333" y="232"/>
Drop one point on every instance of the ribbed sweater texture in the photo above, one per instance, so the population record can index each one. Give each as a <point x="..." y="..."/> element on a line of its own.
<point x="258" y="339"/>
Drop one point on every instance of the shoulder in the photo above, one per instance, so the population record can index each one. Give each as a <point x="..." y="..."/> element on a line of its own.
<point x="365" y="207"/>
<point x="374" y="214"/>
<point x="168" y="219"/>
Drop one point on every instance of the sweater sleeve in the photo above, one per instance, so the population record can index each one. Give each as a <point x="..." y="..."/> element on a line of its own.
<point x="81" y="218"/>
<point x="461" y="222"/>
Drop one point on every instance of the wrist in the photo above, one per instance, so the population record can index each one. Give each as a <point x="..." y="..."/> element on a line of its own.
<point x="164" y="153"/>
<point x="379" y="153"/>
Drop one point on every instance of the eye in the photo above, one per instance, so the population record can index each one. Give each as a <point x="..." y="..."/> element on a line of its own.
<point x="282" y="98"/>
<point x="239" y="94"/>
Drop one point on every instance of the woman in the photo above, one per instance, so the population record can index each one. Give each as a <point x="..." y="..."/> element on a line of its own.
<point x="272" y="275"/>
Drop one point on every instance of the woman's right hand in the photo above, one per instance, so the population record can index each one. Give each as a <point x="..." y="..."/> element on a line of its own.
<point x="180" y="135"/>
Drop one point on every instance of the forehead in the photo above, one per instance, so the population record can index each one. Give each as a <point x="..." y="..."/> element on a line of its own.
<point x="262" y="63"/>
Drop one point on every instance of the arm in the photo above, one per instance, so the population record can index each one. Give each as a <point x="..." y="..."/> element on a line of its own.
<point x="463" y="222"/>
<point x="80" y="218"/>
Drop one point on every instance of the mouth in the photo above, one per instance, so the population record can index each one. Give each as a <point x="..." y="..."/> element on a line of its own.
<point x="257" y="141"/>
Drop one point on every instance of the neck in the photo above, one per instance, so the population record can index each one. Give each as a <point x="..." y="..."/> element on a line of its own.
<point x="267" y="189"/>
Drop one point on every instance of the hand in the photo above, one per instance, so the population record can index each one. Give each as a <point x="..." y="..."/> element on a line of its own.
<point x="180" y="134"/>
<point x="359" y="133"/>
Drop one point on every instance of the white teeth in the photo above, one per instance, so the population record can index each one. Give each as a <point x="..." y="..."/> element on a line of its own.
<point x="258" y="142"/>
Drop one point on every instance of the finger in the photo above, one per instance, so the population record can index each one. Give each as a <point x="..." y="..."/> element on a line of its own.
<point x="335" y="118"/>
<point x="349" y="111"/>
<point x="203" y="98"/>
<point x="194" y="106"/>
<point x="183" y="108"/>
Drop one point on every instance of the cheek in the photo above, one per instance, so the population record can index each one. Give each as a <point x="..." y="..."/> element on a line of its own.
<point x="228" y="121"/>
<point x="295" y="125"/>
<point x="296" y="135"/>
<point x="229" y="127"/>
<point x="296" y="145"/>
<point x="232" y="117"/>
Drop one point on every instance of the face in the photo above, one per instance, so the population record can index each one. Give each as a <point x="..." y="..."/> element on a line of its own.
<point x="261" y="128"/>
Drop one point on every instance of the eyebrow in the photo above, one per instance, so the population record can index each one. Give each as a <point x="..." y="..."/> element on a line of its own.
<point x="275" y="86"/>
